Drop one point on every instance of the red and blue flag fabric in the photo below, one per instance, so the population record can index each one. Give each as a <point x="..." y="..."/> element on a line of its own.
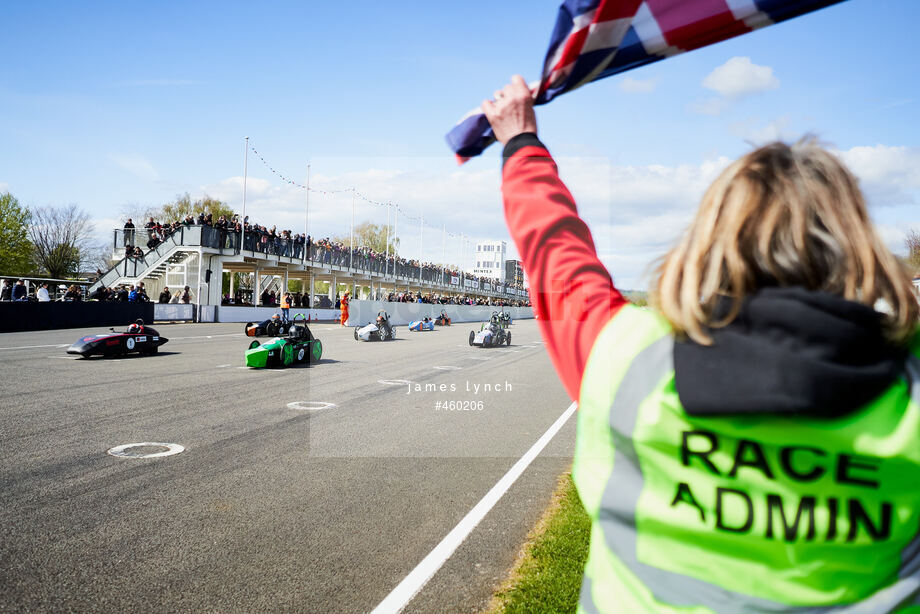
<point x="594" y="39"/>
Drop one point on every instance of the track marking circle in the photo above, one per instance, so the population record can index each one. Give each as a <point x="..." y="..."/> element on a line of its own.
<point x="448" y="368"/>
<point x="394" y="382"/>
<point x="123" y="451"/>
<point x="310" y="405"/>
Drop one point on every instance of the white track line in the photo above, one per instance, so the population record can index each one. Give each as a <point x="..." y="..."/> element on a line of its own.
<point x="400" y="596"/>
<point x="29" y="347"/>
<point x="206" y="336"/>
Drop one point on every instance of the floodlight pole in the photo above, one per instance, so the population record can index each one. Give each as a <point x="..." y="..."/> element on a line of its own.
<point x="245" y="173"/>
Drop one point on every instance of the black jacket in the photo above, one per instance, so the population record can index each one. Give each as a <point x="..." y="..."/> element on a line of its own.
<point x="789" y="351"/>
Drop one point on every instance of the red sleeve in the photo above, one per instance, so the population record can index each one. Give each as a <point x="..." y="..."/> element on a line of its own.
<point x="571" y="291"/>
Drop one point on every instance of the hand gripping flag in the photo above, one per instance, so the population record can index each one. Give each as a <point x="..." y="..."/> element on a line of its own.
<point x="594" y="39"/>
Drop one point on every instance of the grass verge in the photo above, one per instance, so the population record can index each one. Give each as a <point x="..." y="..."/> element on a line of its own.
<point x="547" y="574"/>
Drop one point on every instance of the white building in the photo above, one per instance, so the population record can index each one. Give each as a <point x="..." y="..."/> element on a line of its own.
<point x="490" y="259"/>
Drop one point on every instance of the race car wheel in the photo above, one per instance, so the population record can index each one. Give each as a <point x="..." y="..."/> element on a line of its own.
<point x="508" y="339"/>
<point x="356" y="333"/>
<point x="392" y="333"/>
<point x="287" y="354"/>
<point x="254" y="344"/>
<point x="301" y="354"/>
<point x="472" y="336"/>
<point x="316" y="350"/>
<point x="246" y="329"/>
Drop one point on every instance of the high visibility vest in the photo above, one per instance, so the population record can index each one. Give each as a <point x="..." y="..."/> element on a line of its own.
<point x="285" y="303"/>
<point x="742" y="513"/>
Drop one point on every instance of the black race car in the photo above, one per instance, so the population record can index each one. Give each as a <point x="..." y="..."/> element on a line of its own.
<point x="137" y="338"/>
<point x="443" y="319"/>
<point x="272" y="327"/>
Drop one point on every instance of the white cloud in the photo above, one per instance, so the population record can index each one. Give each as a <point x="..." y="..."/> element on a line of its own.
<point x="711" y="106"/>
<point x="135" y="164"/>
<point x="638" y="86"/>
<point x="740" y="77"/>
<point x="889" y="176"/>
<point x="635" y="213"/>
<point x="774" y="130"/>
<point x="4" y="187"/>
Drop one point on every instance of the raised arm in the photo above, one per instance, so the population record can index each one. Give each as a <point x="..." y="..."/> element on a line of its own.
<point x="571" y="290"/>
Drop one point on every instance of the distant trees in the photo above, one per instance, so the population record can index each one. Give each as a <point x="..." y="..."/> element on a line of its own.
<point x="373" y="236"/>
<point x="912" y="242"/>
<point x="184" y="205"/>
<point x="62" y="239"/>
<point x="15" y="246"/>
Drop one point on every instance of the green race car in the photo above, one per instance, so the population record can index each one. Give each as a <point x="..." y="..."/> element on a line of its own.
<point x="298" y="346"/>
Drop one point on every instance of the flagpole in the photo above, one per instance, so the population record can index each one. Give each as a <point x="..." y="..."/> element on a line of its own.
<point x="245" y="172"/>
<point x="386" y="265"/>
<point x="351" y="244"/>
<point x="306" y="216"/>
<point x="421" y="230"/>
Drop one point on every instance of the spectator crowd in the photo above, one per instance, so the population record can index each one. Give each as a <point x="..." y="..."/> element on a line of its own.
<point x="286" y="243"/>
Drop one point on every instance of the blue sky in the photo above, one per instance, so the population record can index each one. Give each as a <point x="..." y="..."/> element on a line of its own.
<point x="120" y="105"/>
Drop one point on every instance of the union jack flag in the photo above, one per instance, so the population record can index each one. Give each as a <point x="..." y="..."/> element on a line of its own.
<point x="594" y="39"/>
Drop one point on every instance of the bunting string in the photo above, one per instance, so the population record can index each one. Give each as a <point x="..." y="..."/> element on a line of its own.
<point x="360" y="195"/>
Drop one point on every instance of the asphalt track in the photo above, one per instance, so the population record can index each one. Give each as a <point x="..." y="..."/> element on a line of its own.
<point x="270" y="507"/>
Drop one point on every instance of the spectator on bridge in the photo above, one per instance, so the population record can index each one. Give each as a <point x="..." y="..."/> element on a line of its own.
<point x="128" y="233"/>
<point x="765" y="349"/>
<point x="154" y="240"/>
<point x="165" y="295"/>
<point x="42" y="294"/>
<point x="19" y="291"/>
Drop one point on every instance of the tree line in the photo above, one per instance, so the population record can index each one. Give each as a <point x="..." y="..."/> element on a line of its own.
<point x="60" y="242"/>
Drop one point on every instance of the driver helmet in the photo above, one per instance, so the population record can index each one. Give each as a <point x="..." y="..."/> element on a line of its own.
<point x="276" y="317"/>
<point x="380" y="318"/>
<point x="137" y="326"/>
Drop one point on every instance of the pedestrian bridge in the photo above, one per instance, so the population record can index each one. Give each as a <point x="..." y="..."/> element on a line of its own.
<point x="198" y="256"/>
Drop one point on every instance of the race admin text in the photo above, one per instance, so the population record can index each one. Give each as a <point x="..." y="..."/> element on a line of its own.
<point x="790" y="518"/>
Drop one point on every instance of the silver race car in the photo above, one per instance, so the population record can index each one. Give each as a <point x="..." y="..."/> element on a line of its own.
<point x="491" y="334"/>
<point x="379" y="330"/>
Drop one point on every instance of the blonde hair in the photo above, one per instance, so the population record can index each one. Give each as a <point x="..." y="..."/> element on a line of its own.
<point x="781" y="216"/>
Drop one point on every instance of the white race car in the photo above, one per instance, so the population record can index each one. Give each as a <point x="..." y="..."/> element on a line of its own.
<point x="379" y="330"/>
<point x="491" y="334"/>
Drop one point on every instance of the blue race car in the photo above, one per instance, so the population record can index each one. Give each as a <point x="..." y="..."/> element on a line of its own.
<point x="425" y="324"/>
